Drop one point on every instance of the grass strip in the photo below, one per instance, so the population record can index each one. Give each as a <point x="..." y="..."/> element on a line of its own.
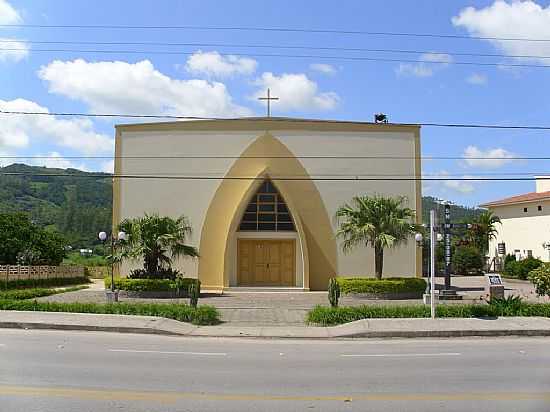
<point x="42" y="283"/>
<point x="21" y="294"/>
<point x="201" y="315"/>
<point x="327" y="316"/>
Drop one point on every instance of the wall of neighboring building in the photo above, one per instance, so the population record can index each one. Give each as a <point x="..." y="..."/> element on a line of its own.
<point x="542" y="184"/>
<point x="174" y="197"/>
<point x="523" y="231"/>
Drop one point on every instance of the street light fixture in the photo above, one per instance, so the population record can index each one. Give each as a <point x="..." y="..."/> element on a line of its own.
<point x="112" y="296"/>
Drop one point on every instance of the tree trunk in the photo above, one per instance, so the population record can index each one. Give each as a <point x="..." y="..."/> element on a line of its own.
<point x="378" y="261"/>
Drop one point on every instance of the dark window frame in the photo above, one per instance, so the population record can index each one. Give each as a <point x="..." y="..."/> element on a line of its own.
<point x="282" y="218"/>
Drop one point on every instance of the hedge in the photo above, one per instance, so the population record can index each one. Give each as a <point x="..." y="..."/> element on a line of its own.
<point x="39" y="283"/>
<point x="149" y="285"/>
<point x="201" y="315"/>
<point x="375" y="286"/>
<point x="520" y="269"/>
<point x="326" y="316"/>
<point x="20" y="294"/>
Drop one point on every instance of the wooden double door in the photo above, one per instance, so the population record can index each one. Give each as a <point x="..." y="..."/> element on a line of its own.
<point x="266" y="262"/>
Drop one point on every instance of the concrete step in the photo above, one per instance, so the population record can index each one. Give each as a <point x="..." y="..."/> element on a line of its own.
<point x="264" y="289"/>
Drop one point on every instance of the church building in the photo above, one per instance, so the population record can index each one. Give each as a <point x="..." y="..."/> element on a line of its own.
<point x="261" y="194"/>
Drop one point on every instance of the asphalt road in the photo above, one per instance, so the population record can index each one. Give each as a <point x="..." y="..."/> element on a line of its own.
<point x="84" y="371"/>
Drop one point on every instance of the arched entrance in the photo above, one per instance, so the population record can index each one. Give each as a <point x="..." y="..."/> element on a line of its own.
<point x="267" y="158"/>
<point x="266" y="241"/>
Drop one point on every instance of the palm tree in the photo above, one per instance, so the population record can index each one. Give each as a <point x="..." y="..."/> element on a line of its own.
<point x="483" y="230"/>
<point x="157" y="239"/>
<point x="378" y="221"/>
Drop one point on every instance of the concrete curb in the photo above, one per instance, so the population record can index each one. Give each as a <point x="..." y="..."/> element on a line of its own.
<point x="365" y="328"/>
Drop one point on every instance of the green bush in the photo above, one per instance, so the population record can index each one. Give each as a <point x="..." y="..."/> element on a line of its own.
<point x="375" y="286"/>
<point x="162" y="273"/>
<point x="540" y="277"/>
<point x="467" y="260"/>
<point x="202" y="315"/>
<point x="150" y="285"/>
<point x="326" y="316"/>
<point x="38" y="283"/>
<point x="520" y="269"/>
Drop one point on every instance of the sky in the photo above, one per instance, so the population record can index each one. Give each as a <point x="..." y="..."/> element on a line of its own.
<point x="210" y="73"/>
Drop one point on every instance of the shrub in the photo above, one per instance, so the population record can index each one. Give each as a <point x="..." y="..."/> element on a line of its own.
<point x="202" y="315"/>
<point x="467" y="260"/>
<point x="520" y="269"/>
<point x="375" y="286"/>
<point x="333" y="292"/>
<point x="37" y="283"/>
<point x="149" y="285"/>
<point x="194" y="291"/>
<point x="162" y="273"/>
<point x="326" y="316"/>
<point x="540" y="277"/>
<point x="508" y="306"/>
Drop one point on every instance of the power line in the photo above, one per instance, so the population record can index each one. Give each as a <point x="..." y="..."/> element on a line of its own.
<point x="221" y="157"/>
<point x="297" y="56"/>
<point x="275" y="119"/>
<point x="275" y="178"/>
<point x="272" y="46"/>
<point x="271" y="29"/>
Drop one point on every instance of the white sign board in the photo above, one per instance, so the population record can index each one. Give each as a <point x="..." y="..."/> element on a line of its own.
<point x="494" y="280"/>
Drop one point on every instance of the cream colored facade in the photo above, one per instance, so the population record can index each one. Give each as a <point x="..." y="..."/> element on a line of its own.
<point x="290" y="153"/>
<point x="525" y="227"/>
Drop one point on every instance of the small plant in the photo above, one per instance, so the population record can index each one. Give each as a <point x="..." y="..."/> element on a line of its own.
<point x="540" y="278"/>
<point x="333" y="292"/>
<point x="194" y="291"/>
<point x="508" y="306"/>
<point x="520" y="269"/>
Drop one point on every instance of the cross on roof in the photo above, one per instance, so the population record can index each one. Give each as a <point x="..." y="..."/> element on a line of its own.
<point x="268" y="98"/>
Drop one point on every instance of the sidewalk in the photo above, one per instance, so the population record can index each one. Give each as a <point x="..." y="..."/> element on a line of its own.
<point x="368" y="328"/>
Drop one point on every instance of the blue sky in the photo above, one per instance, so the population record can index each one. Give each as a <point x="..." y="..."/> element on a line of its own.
<point x="210" y="81"/>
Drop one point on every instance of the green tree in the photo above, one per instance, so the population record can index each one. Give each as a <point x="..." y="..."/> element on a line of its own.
<point x="376" y="221"/>
<point x="483" y="230"/>
<point x="157" y="239"/>
<point x="22" y="241"/>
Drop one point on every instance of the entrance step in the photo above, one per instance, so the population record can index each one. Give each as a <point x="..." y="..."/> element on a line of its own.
<point x="263" y="289"/>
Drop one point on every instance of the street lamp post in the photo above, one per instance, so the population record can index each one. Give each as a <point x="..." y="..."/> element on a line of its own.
<point x="112" y="295"/>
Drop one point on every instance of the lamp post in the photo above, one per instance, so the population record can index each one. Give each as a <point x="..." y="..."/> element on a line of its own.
<point x="112" y="295"/>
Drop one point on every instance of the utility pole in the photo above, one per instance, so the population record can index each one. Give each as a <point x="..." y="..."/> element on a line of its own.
<point x="433" y="240"/>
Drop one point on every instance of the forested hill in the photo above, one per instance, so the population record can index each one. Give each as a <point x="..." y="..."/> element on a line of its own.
<point x="458" y="213"/>
<point x="79" y="205"/>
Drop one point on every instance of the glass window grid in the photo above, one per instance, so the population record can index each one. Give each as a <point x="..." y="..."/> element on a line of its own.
<point x="282" y="218"/>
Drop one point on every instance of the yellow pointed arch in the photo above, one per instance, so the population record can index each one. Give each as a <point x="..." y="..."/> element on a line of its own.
<point x="302" y="197"/>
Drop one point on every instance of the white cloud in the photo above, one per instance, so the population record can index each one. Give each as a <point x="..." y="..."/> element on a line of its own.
<point x="216" y="65"/>
<point x="295" y="92"/>
<point x="323" y="68"/>
<point x="518" y="19"/>
<point x="14" y="51"/>
<point x="435" y="62"/>
<point x="477" y="79"/>
<point x="55" y="160"/>
<point x="108" y="166"/>
<point x="487" y="159"/>
<point x="446" y="186"/>
<point x="19" y="131"/>
<point x="137" y="88"/>
<point x="8" y="15"/>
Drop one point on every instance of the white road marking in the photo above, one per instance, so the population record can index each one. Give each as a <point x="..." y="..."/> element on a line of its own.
<point x="398" y="355"/>
<point x="169" y="352"/>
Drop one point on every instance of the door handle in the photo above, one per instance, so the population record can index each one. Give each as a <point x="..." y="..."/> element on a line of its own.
<point x="268" y="265"/>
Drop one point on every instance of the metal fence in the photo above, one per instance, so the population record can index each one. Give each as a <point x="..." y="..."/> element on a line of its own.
<point x="10" y="273"/>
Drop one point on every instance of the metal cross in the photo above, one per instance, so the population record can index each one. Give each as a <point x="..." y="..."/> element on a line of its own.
<point x="268" y="98"/>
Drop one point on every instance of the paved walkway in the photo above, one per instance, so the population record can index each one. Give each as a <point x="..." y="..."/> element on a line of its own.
<point x="281" y="308"/>
<point x="367" y="328"/>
